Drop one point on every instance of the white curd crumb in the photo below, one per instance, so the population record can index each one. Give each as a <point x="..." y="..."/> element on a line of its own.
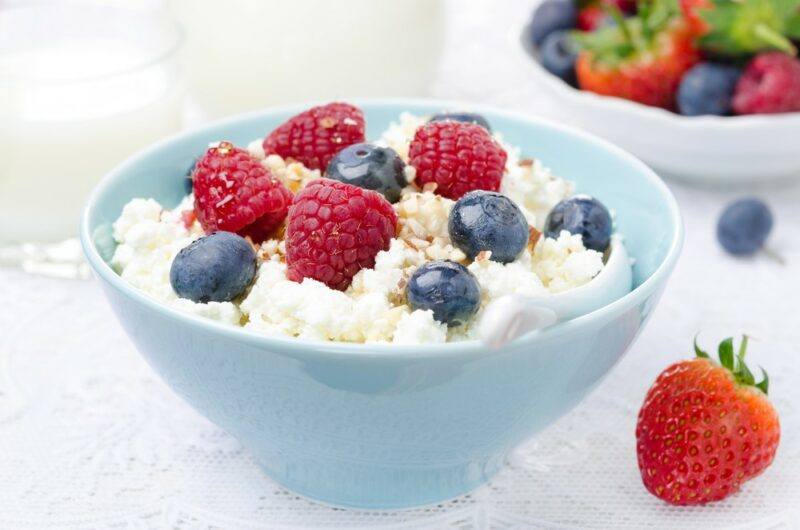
<point x="422" y="220"/>
<point x="564" y="263"/>
<point x="419" y="327"/>
<point x="497" y="279"/>
<point x="256" y="148"/>
<point x="400" y="133"/>
<point x="293" y="175"/>
<point x="532" y="187"/>
<point x="225" y="312"/>
<point x="311" y="310"/>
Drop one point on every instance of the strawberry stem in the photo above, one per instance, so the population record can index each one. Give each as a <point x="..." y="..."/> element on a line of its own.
<point x="771" y="37"/>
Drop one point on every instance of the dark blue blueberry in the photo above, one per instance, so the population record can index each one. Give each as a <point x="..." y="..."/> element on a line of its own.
<point x="215" y="268"/>
<point x="707" y="89"/>
<point x="485" y="220"/>
<point x="744" y="226"/>
<point x="446" y="288"/>
<point x="558" y="54"/>
<point x="550" y="16"/>
<point x="371" y="167"/>
<point x="581" y="215"/>
<point x="465" y="117"/>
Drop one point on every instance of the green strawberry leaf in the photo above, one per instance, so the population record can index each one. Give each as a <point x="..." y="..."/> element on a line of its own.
<point x="792" y="25"/>
<point x="742" y="27"/>
<point x="726" y="354"/>
<point x="698" y="351"/>
<point x="764" y="384"/>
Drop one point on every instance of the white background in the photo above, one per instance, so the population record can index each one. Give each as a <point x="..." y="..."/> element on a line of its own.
<point x="89" y="437"/>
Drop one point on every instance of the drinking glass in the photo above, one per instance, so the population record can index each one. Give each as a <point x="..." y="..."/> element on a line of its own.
<point x="82" y="86"/>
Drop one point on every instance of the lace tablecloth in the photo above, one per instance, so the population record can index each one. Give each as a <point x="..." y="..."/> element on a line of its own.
<point x="90" y="438"/>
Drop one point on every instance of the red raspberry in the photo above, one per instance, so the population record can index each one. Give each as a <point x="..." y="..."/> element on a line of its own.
<point x="313" y="137"/>
<point x="458" y="157"/>
<point x="770" y="84"/>
<point x="335" y="230"/>
<point x="235" y="193"/>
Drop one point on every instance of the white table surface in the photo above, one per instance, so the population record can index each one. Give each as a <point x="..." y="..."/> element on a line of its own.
<point x="89" y="437"/>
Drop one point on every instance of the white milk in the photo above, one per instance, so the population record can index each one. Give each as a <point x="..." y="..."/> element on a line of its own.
<point x="69" y="112"/>
<point x="58" y="138"/>
<point x="248" y="54"/>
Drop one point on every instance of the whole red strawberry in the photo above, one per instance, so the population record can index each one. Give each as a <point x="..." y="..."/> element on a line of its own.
<point x="336" y="229"/>
<point x="641" y="60"/>
<point x="235" y="193"/>
<point x="313" y="137"/>
<point x="458" y="157"/>
<point x="769" y="84"/>
<point x="705" y="428"/>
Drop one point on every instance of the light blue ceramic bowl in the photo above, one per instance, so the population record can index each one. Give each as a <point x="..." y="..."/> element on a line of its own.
<point x="381" y="426"/>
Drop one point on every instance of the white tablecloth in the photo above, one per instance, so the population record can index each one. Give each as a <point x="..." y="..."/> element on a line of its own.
<point x="89" y="437"/>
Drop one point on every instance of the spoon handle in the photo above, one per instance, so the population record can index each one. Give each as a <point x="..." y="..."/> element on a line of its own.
<point x="511" y="316"/>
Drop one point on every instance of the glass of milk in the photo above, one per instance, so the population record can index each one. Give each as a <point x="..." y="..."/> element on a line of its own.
<point x="247" y="54"/>
<point x="82" y="86"/>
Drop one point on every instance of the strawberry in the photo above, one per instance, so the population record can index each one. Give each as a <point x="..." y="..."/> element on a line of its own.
<point x="642" y="58"/>
<point x="705" y="428"/>
<point x="737" y="28"/>
<point x="691" y="10"/>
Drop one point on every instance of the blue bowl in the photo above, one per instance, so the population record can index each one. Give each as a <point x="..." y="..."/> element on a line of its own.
<point x="383" y="426"/>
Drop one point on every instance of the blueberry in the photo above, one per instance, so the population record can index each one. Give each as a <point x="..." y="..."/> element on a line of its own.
<point x="744" y="226"/>
<point x="558" y="54"/>
<point x="581" y="215"/>
<point x="214" y="268"/>
<point x="550" y="16"/>
<point x="707" y="89"/>
<point x="447" y="288"/>
<point x="485" y="220"/>
<point x="465" y="117"/>
<point x="371" y="167"/>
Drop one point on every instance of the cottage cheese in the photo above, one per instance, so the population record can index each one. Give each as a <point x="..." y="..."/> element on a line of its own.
<point x="373" y="308"/>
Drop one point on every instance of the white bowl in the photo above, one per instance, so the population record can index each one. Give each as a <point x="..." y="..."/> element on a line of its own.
<point x="707" y="149"/>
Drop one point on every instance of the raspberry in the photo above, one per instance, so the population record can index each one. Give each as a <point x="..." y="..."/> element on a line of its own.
<point x="458" y="157"/>
<point x="335" y="230"/>
<point x="770" y="84"/>
<point x="235" y="193"/>
<point x="313" y="137"/>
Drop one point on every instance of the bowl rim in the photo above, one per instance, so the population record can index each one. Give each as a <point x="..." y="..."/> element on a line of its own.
<point x="519" y="36"/>
<point x="388" y="351"/>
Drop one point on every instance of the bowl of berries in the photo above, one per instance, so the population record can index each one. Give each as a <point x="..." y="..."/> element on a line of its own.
<point x="380" y="300"/>
<point x="704" y="90"/>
